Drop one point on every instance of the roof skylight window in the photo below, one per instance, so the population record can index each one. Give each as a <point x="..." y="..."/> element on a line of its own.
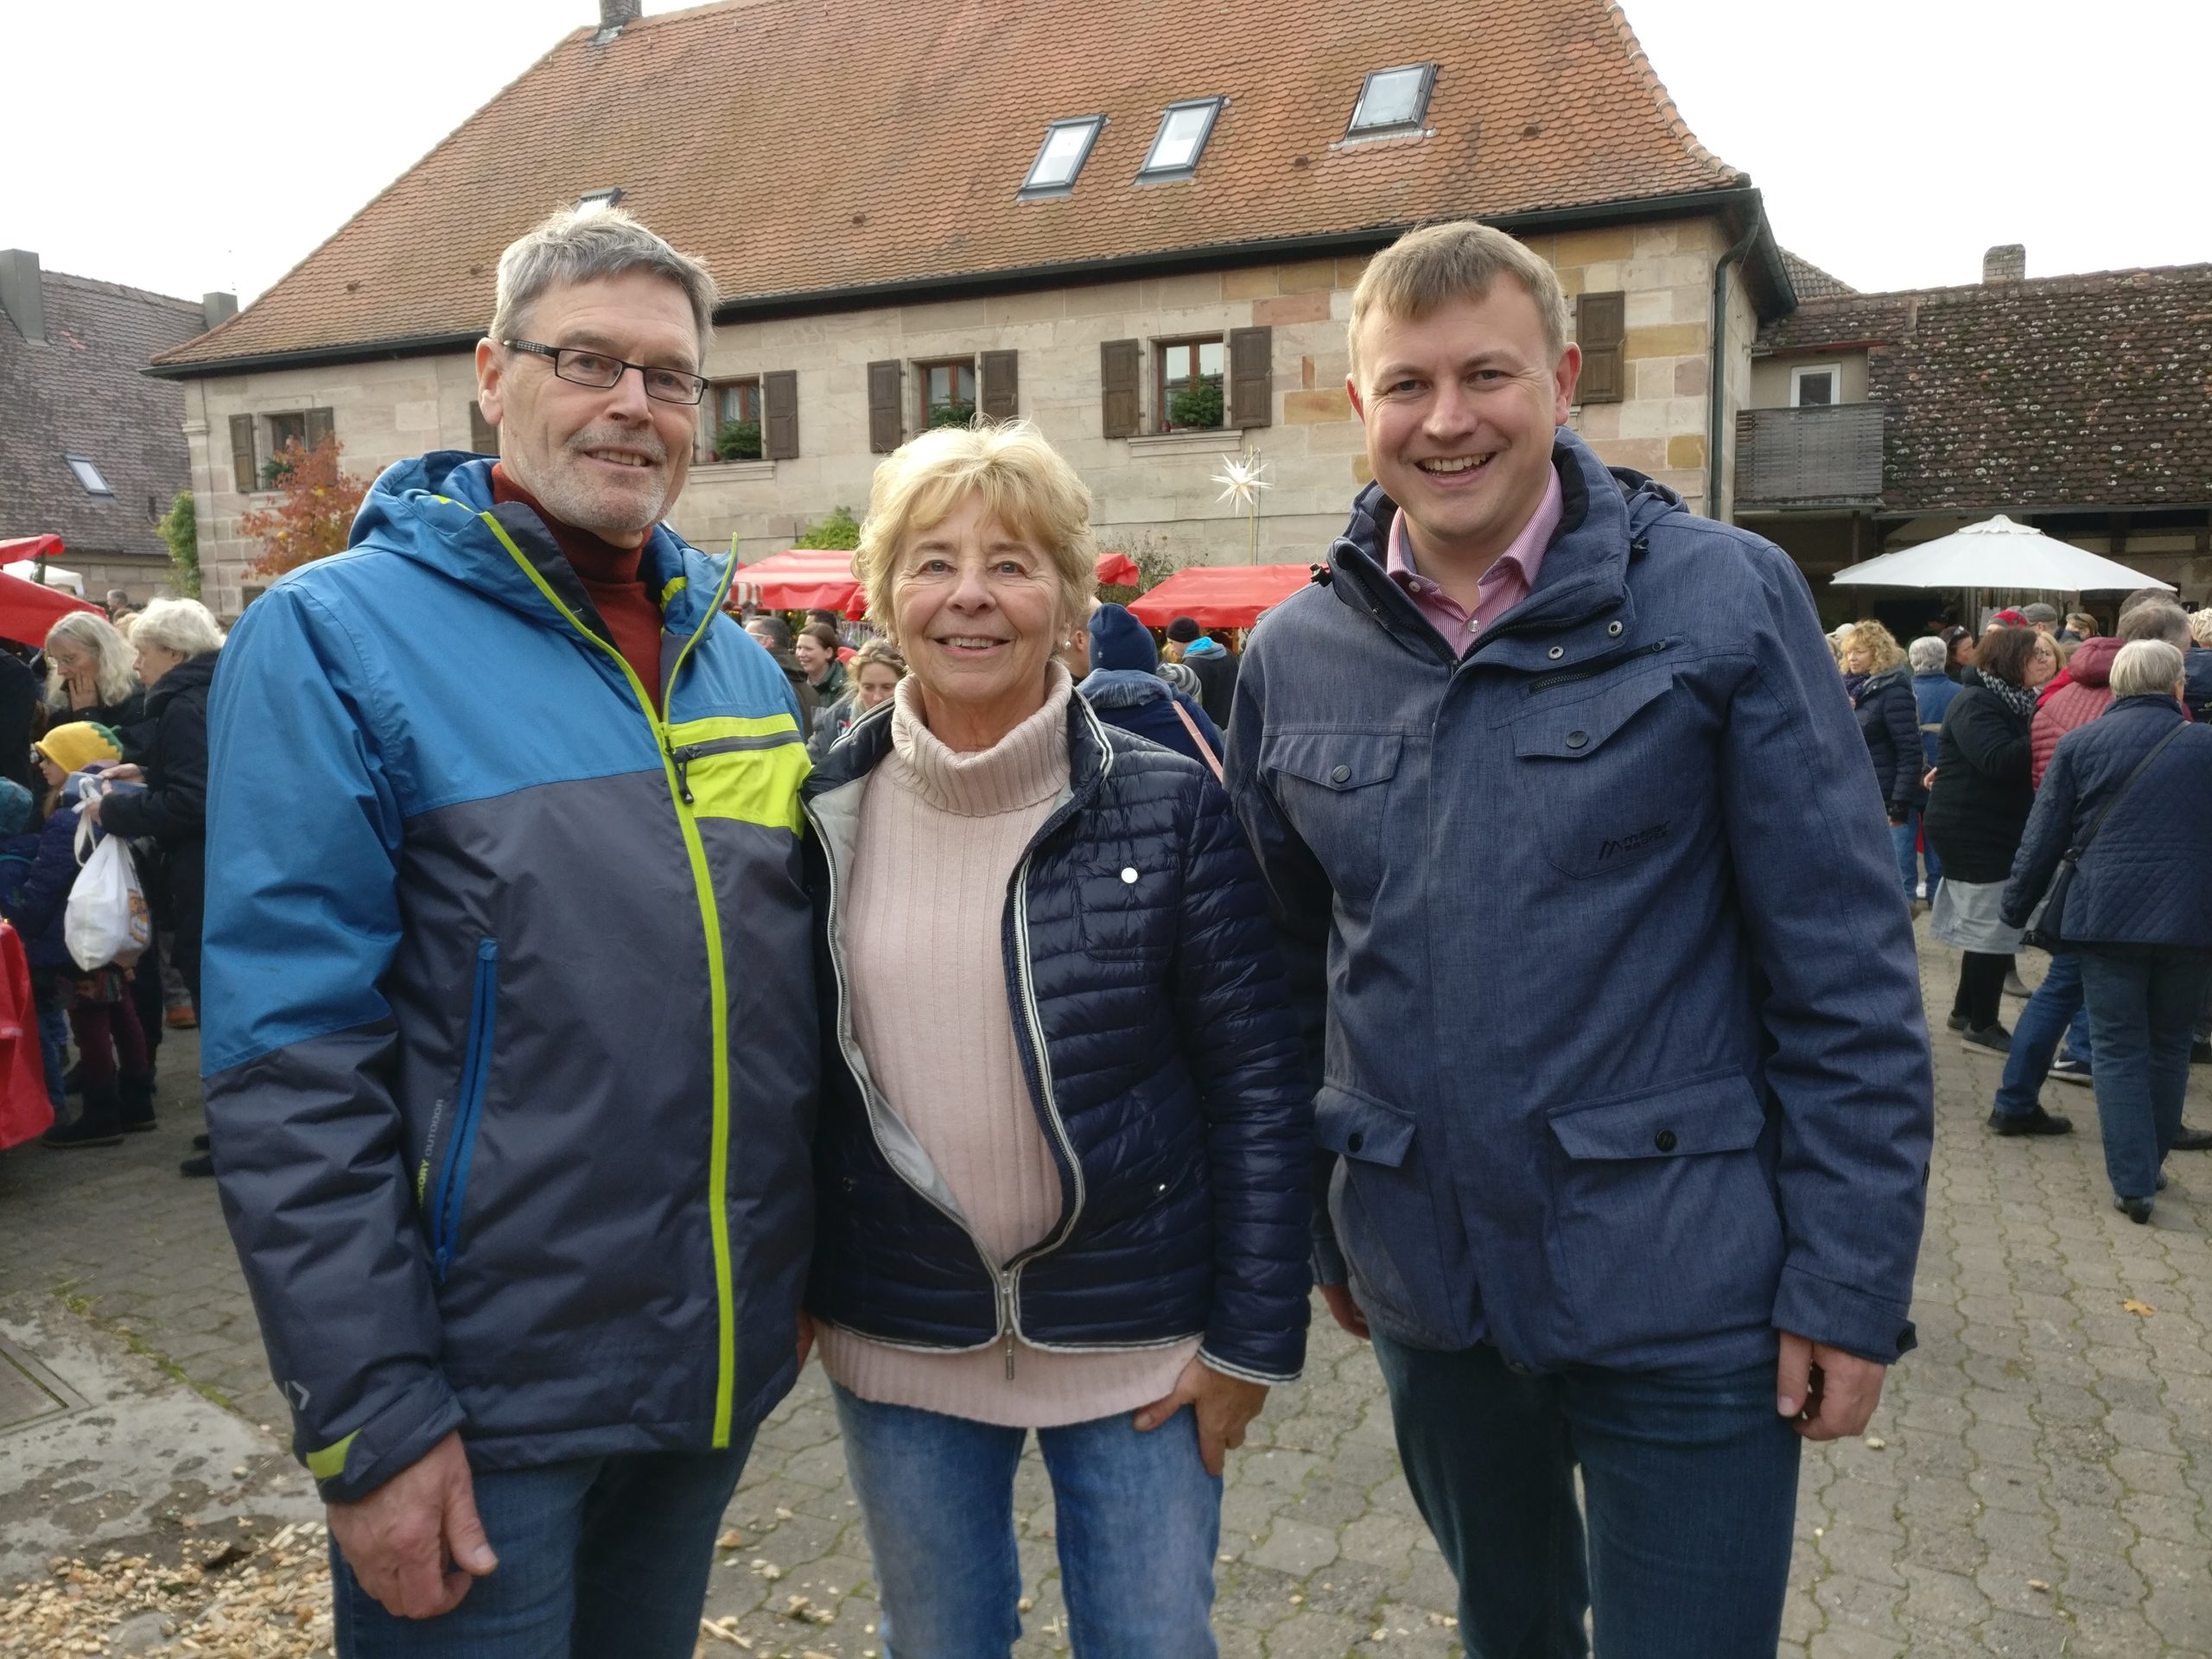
<point x="1066" y="147"/>
<point x="1183" y="132"/>
<point x="592" y="201"/>
<point x="1392" y="100"/>
<point x="88" y="475"/>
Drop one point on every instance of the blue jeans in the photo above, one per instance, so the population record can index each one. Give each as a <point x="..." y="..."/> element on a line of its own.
<point x="1692" y="1490"/>
<point x="2142" y="1006"/>
<point x="598" y="1558"/>
<point x="2055" y="1011"/>
<point x="1137" y="1517"/>
<point x="1901" y="837"/>
<point x="54" y="1049"/>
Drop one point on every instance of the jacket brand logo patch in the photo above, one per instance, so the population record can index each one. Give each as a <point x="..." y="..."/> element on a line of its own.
<point x="1635" y="842"/>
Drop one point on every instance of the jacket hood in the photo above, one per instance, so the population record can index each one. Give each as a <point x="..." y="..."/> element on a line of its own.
<point x="1896" y="676"/>
<point x="1123" y="688"/>
<point x="1205" y="645"/>
<point x="1118" y="640"/>
<point x="2091" y="663"/>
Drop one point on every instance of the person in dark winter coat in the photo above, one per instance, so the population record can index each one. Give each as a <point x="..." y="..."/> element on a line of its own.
<point x="1889" y="719"/>
<point x="1062" y="1168"/>
<point x="1979" y="807"/>
<point x="874" y="676"/>
<point x="1211" y="660"/>
<point x="1125" y="687"/>
<point x="2138" y="908"/>
<point x="19" y="699"/>
<point x="1933" y="692"/>
<point x="2196" y="666"/>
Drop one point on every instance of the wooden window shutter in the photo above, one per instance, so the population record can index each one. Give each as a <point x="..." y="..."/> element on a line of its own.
<point x="1001" y="384"/>
<point x="779" y="414"/>
<point x="245" y="466"/>
<point x="318" y="425"/>
<point x="1601" y="330"/>
<point x="1251" y="376"/>
<point x="883" y="425"/>
<point x="1121" y="365"/>
<point x="483" y="436"/>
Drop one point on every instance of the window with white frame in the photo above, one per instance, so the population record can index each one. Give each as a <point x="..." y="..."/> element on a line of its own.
<point x="1816" y="385"/>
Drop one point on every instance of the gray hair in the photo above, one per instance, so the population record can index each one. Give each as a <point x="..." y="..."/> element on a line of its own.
<point x="2148" y="668"/>
<point x="583" y="245"/>
<point x="2156" y="619"/>
<point x="183" y="625"/>
<point x="117" y="675"/>
<point x="1928" y="654"/>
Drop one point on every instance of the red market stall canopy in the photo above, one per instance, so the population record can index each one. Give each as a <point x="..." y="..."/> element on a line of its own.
<point x="27" y="608"/>
<point x="1220" y="595"/>
<point x="812" y="579"/>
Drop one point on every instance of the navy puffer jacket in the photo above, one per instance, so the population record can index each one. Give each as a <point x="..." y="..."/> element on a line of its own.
<point x="1163" y="1063"/>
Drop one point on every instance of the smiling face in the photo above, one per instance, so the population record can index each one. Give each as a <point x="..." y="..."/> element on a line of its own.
<point x="814" y="656"/>
<point x="976" y="610"/>
<point x="610" y="461"/>
<point x="2043" y="663"/>
<point x="1459" y="408"/>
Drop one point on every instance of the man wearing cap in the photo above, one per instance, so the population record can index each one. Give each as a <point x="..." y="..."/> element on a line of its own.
<point x="2042" y="618"/>
<point x="1211" y="660"/>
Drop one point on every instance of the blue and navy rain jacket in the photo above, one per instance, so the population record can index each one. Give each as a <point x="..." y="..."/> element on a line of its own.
<point x="509" y="1025"/>
<point x="1608" y="987"/>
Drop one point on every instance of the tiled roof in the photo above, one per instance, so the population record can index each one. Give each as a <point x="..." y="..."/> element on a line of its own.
<point x="81" y="393"/>
<point x="806" y="147"/>
<point x="1810" y="282"/>
<point x="2087" y="390"/>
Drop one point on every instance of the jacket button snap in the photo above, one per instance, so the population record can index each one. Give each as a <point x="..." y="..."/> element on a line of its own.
<point x="1576" y="740"/>
<point x="1128" y="876"/>
<point x="1340" y="775"/>
<point x="850" y="1184"/>
<point x="1664" y="1139"/>
<point x="1613" y="630"/>
<point x="1354" y="1141"/>
<point x="1556" y="653"/>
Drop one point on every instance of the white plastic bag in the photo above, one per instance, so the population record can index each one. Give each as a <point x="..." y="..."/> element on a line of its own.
<point x="107" y="920"/>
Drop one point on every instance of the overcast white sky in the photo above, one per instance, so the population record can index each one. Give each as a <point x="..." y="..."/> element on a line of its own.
<point x="189" y="147"/>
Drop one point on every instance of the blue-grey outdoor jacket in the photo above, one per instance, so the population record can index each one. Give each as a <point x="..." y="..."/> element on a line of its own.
<point x="1609" y="988"/>
<point x="509" y="1031"/>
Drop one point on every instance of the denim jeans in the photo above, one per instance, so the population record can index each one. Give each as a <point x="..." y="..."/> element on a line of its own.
<point x="601" y="1558"/>
<point x="1691" y="1485"/>
<point x="1904" y="836"/>
<point x="2142" y="1006"/>
<point x="2055" y="1011"/>
<point x="54" y="1049"/>
<point x="1137" y="1519"/>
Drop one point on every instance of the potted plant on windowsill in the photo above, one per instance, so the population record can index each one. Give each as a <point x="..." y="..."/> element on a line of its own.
<point x="738" y="440"/>
<point x="1196" y="407"/>
<point x="953" y="415"/>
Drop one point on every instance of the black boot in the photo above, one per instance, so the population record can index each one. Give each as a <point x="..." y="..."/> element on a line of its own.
<point x="137" y="1089"/>
<point x="98" y="1124"/>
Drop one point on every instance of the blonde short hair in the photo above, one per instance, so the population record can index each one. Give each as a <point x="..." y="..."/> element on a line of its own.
<point x="877" y="654"/>
<point x="1022" y="482"/>
<point x="2199" y="625"/>
<point x="1424" y="268"/>
<point x="1883" y="652"/>
<point x="183" y="625"/>
<point x="2146" y="668"/>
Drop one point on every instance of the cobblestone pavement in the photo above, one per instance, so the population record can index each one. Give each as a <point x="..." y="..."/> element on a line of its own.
<point x="2036" y="1482"/>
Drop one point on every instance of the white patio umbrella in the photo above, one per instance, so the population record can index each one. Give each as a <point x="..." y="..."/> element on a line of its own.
<point x="1997" y="554"/>
<point x="68" y="581"/>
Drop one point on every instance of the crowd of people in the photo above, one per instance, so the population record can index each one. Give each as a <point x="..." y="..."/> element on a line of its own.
<point x="118" y="739"/>
<point x="2068" y="775"/>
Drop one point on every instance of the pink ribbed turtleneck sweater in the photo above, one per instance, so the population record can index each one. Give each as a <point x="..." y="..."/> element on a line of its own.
<point x="940" y="833"/>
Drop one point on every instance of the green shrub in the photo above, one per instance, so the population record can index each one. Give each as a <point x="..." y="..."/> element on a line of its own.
<point x="837" y="529"/>
<point x="180" y="528"/>
<point x="953" y="415"/>
<point x="275" y="471"/>
<point x="738" y="440"/>
<point x="1197" y="404"/>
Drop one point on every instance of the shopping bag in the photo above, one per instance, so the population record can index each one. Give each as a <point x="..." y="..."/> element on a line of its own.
<point x="107" y="920"/>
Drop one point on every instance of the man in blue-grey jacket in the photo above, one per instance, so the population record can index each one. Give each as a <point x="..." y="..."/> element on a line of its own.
<point x="1623" y="1090"/>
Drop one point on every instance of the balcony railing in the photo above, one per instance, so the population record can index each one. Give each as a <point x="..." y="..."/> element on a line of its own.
<point x="1824" y="457"/>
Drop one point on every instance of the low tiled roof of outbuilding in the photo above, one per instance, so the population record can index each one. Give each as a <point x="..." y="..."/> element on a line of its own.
<point x="805" y="149"/>
<point x="2082" y="391"/>
<point x="1809" y="281"/>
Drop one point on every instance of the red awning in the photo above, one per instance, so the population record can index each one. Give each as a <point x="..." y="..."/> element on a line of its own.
<point x="28" y="610"/>
<point x="29" y="547"/>
<point x="1220" y="595"/>
<point x="799" y="579"/>
<point x="1117" y="570"/>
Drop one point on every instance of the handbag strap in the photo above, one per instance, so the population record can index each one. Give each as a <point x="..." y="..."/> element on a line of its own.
<point x="1205" y="749"/>
<point x="2105" y="811"/>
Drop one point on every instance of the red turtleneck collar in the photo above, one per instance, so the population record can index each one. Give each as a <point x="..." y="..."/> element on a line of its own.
<point x="609" y="575"/>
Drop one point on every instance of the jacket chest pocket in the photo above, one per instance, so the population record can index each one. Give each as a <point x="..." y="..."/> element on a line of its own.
<point x="1607" y="781"/>
<point x="1126" y="905"/>
<point x="1336" y="788"/>
<point x="751" y="774"/>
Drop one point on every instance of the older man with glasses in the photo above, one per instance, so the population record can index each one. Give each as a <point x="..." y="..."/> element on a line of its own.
<point x="502" y="867"/>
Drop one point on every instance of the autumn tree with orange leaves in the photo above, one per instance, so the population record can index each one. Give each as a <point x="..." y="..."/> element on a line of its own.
<point x="315" y="505"/>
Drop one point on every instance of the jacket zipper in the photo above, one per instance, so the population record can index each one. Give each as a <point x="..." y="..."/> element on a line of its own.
<point x="1590" y="670"/>
<point x="717" y="972"/>
<point x="469" y="1106"/>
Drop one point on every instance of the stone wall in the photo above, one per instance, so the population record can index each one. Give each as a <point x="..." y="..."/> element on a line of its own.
<point x="1152" y="491"/>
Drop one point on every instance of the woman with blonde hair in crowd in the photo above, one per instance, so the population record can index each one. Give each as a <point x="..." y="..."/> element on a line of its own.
<point x="1062" y="1170"/>
<point x="1889" y="719"/>
<point x="90" y="673"/>
<point x="873" y="676"/>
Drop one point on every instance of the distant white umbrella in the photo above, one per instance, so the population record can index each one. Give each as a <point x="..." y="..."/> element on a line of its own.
<point x="1997" y="554"/>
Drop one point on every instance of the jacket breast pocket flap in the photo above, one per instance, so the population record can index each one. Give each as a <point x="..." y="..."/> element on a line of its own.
<point x="1577" y="730"/>
<point x="1354" y="1126"/>
<point x="1335" y="789"/>
<point x="1337" y="761"/>
<point x="1717" y="1113"/>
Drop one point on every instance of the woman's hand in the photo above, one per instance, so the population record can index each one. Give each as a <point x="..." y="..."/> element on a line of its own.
<point x="123" y="772"/>
<point x="1224" y="1406"/>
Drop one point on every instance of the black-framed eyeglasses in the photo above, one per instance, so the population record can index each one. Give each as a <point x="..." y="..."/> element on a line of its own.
<point x="582" y="367"/>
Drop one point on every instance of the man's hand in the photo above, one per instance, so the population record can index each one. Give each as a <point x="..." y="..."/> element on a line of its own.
<point x="1827" y="1393"/>
<point x="414" y="1542"/>
<point x="124" y="773"/>
<point x="1224" y="1405"/>
<point x="1346" y="1310"/>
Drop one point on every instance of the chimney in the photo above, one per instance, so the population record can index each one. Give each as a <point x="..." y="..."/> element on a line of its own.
<point x="217" y="307"/>
<point x="20" y="295"/>
<point x="2008" y="264"/>
<point x="615" y="14"/>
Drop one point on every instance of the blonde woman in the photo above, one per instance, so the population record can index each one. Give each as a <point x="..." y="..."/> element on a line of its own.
<point x="874" y="675"/>
<point x="1062" y="1169"/>
<point x="89" y="673"/>
<point x="1889" y="719"/>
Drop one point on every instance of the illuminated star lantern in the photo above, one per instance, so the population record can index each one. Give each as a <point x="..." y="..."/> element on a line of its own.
<point x="1242" y="479"/>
